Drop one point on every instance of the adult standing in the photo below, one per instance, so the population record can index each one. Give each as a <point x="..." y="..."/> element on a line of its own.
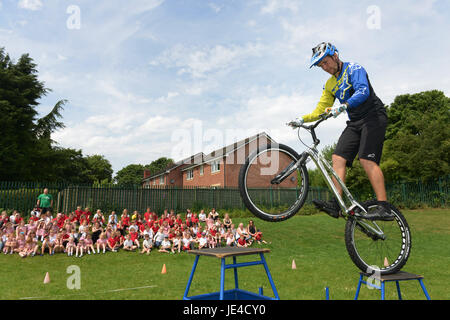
<point x="45" y="201"/>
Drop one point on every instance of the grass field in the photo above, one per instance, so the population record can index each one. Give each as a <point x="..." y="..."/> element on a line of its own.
<point x="316" y="242"/>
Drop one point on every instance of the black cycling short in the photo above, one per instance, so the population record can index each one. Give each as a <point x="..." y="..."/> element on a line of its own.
<point x="364" y="138"/>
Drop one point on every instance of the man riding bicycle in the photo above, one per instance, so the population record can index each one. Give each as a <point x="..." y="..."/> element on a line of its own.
<point x="366" y="128"/>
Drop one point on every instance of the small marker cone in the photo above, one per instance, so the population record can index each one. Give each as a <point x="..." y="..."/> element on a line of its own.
<point x="294" y="266"/>
<point x="386" y="262"/>
<point x="164" y="270"/>
<point x="47" y="278"/>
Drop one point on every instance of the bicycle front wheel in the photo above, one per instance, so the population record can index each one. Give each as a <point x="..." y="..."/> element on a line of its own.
<point x="371" y="253"/>
<point x="266" y="199"/>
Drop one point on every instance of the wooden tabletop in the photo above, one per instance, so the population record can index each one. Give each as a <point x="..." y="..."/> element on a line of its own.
<point x="401" y="275"/>
<point x="224" y="252"/>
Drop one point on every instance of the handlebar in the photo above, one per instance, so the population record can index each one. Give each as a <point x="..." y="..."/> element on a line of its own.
<point x="310" y="128"/>
<point x="323" y="117"/>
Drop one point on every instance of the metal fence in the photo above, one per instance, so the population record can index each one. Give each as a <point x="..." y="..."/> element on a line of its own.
<point x="23" y="196"/>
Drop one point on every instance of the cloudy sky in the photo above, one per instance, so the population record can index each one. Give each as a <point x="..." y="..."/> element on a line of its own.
<point x="152" y="78"/>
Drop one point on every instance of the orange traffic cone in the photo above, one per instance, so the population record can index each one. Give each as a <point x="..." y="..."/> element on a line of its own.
<point x="386" y="262"/>
<point x="164" y="270"/>
<point x="47" y="278"/>
<point x="294" y="266"/>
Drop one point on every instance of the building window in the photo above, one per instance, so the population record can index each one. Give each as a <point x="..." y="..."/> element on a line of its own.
<point x="190" y="174"/>
<point x="215" y="166"/>
<point x="161" y="180"/>
<point x="154" y="182"/>
<point x="201" y="170"/>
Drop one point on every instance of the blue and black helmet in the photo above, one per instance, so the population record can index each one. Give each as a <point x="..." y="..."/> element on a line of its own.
<point x="320" y="51"/>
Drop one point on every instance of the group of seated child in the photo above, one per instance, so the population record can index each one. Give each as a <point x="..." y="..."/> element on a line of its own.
<point x="81" y="233"/>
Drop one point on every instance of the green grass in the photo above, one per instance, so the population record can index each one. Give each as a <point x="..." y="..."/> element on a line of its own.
<point x="316" y="242"/>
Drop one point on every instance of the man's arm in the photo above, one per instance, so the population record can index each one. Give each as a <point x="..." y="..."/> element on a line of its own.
<point x="326" y="101"/>
<point x="358" y="79"/>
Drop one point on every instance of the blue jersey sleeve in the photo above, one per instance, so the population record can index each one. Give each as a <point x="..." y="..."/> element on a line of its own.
<point x="358" y="80"/>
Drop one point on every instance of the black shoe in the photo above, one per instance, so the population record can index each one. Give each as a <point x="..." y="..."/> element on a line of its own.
<point x="382" y="213"/>
<point x="329" y="207"/>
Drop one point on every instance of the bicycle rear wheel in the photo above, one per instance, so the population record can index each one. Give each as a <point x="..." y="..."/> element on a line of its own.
<point x="266" y="199"/>
<point x="373" y="254"/>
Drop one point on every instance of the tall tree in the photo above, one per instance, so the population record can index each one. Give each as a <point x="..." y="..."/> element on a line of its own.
<point x="130" y="175"/>
<point x="418" y="137"/>
<point x="159" y="164"/>
<point x="99" y="168"/>
<point x="23" y="137"/>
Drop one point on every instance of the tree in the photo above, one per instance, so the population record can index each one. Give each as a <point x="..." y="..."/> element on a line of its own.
<point x="418" y="137"/>
<point x="130" y="175"/>
<point x="159" y="164"/>
<point x="23" y="137"/>
<point x="99" y="168"/>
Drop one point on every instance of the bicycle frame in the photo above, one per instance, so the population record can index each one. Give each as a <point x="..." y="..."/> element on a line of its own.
<point x="327" y="170"/>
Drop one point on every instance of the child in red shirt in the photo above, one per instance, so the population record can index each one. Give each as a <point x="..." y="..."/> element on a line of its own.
<point x="241" y="241"/>
<point x="134" y="237"/>
<point x="114" y="242"/>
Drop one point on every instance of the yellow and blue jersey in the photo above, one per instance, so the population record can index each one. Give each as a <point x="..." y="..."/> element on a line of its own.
<point x="352" y="87"/>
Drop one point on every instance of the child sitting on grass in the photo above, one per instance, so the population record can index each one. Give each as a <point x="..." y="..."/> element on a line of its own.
<point x="128" y="244"/>
<point x="187" y="241"/>
<point x="102" y="242"/>
<point x="58" y="247"/>
<point x="202" y="241"/>
<point x="134" y="237"/>
<point x="114" y="242"/>
<point x="165" y="245"/>
<point x="89" y="244"/>
<point x="212" y="242"/>
<point x="230" y="239"/>
<point x="80" y="247"/>
<point x="242" y="242"/>
<point x="70" y="246"/>
<point x="147" y="244"/>
<point x="9" y="244"/>
<point x="177" y="242"/>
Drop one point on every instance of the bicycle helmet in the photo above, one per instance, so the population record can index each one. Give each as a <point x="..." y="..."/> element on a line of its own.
<point x="320" y="51"/>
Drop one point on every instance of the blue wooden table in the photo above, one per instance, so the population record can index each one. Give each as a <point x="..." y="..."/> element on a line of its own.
<point x="383" y="279"/>
<point x="236" y="293"/>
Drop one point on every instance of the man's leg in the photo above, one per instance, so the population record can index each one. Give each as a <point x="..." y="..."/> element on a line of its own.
<point x="376" y="178"/>
<point x="339" y="166"/>
<point x="332" y="207"/>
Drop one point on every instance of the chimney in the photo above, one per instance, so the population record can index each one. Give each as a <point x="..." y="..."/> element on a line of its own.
<point x="147" y="173"/>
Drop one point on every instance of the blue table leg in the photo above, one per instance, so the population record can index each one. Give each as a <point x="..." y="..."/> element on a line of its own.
<point x="275" y="292"/>
<point x="424" y="289"/>
<point x="222" y="279"/>
<point x="191" y="277"/>
<point x="382" y="290"/>
<point x="236" y="283"/>
<point x="398" y="290"/>
<point x="359" y="287"/>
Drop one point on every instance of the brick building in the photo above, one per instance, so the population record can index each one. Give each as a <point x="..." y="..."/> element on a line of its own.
<point x="219" y="168"/>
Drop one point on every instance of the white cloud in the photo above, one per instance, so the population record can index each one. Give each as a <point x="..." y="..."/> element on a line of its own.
<point x="200" y="62"/>
<point x="215" y="7"/>
<point x="30" y="4"/>
<point x="273" y="6"/>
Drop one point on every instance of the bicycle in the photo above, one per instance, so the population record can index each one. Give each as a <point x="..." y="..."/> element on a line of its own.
<point x="274" y="175"/>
